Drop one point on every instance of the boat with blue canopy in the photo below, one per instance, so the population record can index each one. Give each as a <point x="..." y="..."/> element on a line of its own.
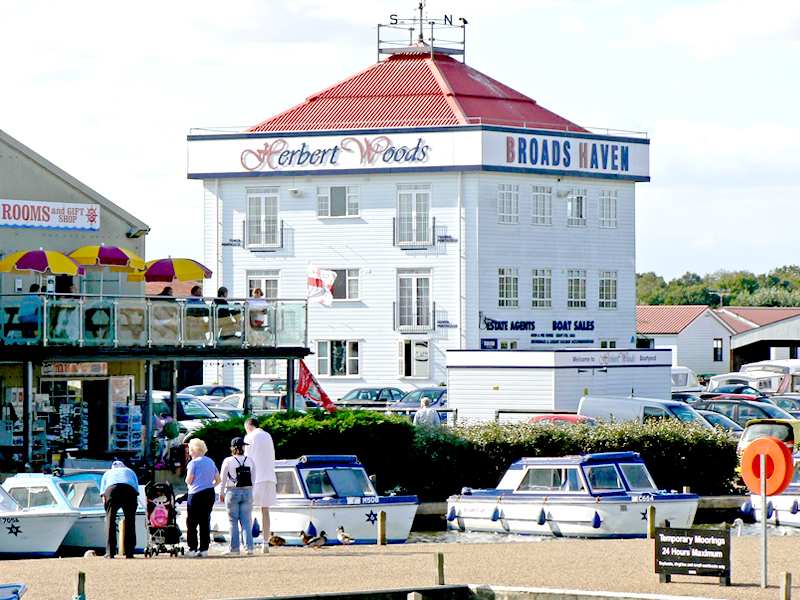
<point x="604" y="495"/>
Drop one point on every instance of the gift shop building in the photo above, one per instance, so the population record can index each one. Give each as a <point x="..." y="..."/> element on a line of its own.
<point x="456" y="212"/>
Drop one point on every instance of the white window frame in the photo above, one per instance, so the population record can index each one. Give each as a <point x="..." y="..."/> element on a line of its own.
<point x="607" y="209"/>
<point x="350" y="360"/>
<point x="542" y="205"/>
<point x="348" y="280"/>
<point x="508" y="203"/>
<point x="414" y="299"/>
<point x="414" y="359"/>
<point x="576" y="208"/>
<point x="269" y="281"/>
<point x="607" y="289"/>
<point x="541" y="288"/>
<point x="262" y="229"/>
<point x="507" y="287"/>
<point x="506" y="344"/>
<point x="576" y="288"/>
<point x="414" y="219"/>
<point x="608" y="343"/>
<point x="352" y="203"/>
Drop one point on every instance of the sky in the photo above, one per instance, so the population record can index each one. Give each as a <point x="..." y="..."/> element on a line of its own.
<point x="109" y="91"/>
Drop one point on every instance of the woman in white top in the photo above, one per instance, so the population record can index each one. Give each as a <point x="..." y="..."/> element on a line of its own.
<point x="236" y="489"/>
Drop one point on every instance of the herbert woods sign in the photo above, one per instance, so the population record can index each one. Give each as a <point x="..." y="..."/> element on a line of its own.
<point x="49" y="215"/>
<point x="259" y="155"/>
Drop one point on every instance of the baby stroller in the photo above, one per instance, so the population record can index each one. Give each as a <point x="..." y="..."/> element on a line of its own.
<point x="163" y="533"/>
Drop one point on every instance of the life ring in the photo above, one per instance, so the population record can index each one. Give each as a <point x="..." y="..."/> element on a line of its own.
<point x="779" y="465"/>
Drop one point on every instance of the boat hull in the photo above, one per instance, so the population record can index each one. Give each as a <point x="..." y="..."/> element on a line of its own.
<point x="360" y="521"/>
<point x="37" y="533"/>
<point x="569" y="517"/>
<point x="89" y="532"/>
<point x="782" y="505"/>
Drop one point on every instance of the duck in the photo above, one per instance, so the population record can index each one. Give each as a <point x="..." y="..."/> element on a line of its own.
<point x="344" y="537"/>
<point x="318" y="541"/>
<point x="276" y="540"/>
<point x="305" y="538"/>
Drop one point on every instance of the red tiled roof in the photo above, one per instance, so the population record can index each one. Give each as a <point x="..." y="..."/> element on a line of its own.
<point x="666" y="319"/>
<point x="179" y="288"/>
<point x="737" y="325"/>
<point x="759" y="315"/>
<point x="415" y="90"/>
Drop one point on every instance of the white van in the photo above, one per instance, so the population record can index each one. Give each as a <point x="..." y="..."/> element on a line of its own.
<point x="685" y="380"/>
<point x="631" y="408"/>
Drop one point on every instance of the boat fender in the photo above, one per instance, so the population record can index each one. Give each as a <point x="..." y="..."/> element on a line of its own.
<point x="256" y="528"/>
<point x="451" y="516"/>
<point x="795" y="509"/>
<point x="496" y="514"/>
<point x="542" y="517"/>
<point x="466" y="491"/>
<point x="596" y="520"/>
<point x="311" y="530"/>
<point x="770" y="510"/>
<point x="746" y="508"/>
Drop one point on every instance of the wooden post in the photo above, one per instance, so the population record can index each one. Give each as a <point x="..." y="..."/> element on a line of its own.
<point x="121" y="542"/>
<point x="382" y="528"/>
<point x="686" y="490"/>
<point x="80" y="586"/>
<point x="786" y="586"/>
<point x="439" y="568"/>
<point x="651" y="522"/>
<point x="414" y="596"/>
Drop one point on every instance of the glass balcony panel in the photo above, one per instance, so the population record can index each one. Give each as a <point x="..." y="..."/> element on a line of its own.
<point x="22" y="319"/>
<point x="131" y="322"/>
<point x="260" y="323"/>
<point x="290" y="324"/>
<point x="64" y="317"/>
<point x="165" y="322"/>
<point x="197" y="323"/>
<point x="98" y="322"/>
<point x="230" y="320"/>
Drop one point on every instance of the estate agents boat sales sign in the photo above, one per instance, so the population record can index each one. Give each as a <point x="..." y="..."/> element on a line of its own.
<point x="49" y="215"/>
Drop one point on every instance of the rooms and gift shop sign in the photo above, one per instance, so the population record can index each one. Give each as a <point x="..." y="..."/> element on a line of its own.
<point x="49" y="215"/>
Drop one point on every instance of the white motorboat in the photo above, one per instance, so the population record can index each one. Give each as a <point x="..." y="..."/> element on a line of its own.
<point x="78" y="492"/>
<point x="782" y="509"/>
<point x="322" y="493"/>
<point x="588" y="495"/>
<point x="34" y="532"/>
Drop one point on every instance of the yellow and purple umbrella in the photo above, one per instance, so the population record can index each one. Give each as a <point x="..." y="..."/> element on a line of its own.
<point x="118" y="259"/>
<point x="40" y="261"/>
<point x="172" y="269"/>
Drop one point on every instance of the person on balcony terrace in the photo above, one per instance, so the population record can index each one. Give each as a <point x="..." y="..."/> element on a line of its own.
<point x="165" y="315"/>
<point x="30" y="310"/>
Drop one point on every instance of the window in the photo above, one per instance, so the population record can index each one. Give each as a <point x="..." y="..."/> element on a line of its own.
<point x="507" y="203"/>
<point x="266" y="281"/>
<point x="717" y="350"/>
<point x="608" y="289"/>
<point x="338" y="358"/>
<point x="608" y="343"/>
<point x="338" y="201"/>
<point x="541" y="288"/>
<point x="607" y="211"/>
<point x="576" y="208"/>
<point x="414" y="224"/>
<point x="576" y="289"/>
<point x="508" y="344"/>
<point x="508" y="288"/>
<point x="347" y="284"/>
<point x="413" y="358"/>
<point x="414" y="299"/>
<point x="542" y="205"/>
<point x="262" y="218"/>
<point x="645" y="343"/>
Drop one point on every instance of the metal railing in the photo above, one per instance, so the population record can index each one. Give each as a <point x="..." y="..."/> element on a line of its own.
<point x="409" y="412"/>
<point x="150" y="321"/>
<point x="422" y="319"/>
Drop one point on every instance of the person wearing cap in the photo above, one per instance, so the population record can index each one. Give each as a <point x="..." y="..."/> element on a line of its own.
<point x="261" y="449"/>
<point x="236" y="490"/>
<point x="120" y="489"/>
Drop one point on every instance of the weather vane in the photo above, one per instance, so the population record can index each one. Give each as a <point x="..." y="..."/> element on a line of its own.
<point x="392" y="36"/>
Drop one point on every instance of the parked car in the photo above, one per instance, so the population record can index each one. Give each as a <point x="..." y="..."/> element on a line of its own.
<point x="190" y="411"/>
<point x="631" y="408"/>
<point x="263" y="404"/>
<point x="226" y="412"/>
<point x="210" y="394"/>
<point x="371" y="394"/>
<point x="790" y="404"/>
<point x="687" y="397"/>
<point x="562" y="419"/>
<point x="747" y="390"/>
<point x="742" y="411"/>
<point x="785" y="430"/>
<point x="437" y="396"/>
<point x="715" y="418"/>
<point x="274" y="386"/>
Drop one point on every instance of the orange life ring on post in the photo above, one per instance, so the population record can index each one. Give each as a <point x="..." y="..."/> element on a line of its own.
<point x="779" y="465"/>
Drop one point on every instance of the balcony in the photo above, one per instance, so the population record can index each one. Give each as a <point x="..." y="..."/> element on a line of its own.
<point x="414" y="318"/>
<point x="150" y="322"/>
<point x="414" y="233"/>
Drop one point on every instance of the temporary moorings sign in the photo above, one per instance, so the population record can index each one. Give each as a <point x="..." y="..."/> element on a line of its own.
<point x="693" y="552"/>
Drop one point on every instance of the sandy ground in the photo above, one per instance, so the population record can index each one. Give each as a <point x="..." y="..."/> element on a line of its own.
<point x="608" y="565"/>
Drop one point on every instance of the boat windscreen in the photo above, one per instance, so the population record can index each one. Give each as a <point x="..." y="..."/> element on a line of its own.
<point x="551" y="479"/>
<point x="637" y="476"/>
<point x="82" y="494"/>
<point x="7" y="502"/>
<point x="603" y="478"/>
<point x="350" y="482"/>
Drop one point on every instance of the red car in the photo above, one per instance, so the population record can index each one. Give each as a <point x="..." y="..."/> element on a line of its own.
<point x="561" y="419"/>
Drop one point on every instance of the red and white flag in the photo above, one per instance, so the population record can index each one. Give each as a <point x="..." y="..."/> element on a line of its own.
<point x="320" y="285"/>
<point x="308" y="386"/>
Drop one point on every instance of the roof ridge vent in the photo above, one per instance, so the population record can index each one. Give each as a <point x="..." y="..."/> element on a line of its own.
<point x="432" y="35"/>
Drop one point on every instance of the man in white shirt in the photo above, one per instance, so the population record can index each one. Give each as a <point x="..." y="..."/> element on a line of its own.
<point x="427" y="416"/>
<point x="261" y="449"/>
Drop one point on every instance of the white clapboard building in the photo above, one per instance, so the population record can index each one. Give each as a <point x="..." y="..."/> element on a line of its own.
<point x="456" y="212"/>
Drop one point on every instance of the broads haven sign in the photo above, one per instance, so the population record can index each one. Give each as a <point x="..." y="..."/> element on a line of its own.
<point x="248" y="155"/>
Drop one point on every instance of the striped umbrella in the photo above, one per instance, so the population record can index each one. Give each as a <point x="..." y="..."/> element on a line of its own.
<point x="171" y="269"/>
<point x="40" y="261"/>
<point x="118" y="259"/>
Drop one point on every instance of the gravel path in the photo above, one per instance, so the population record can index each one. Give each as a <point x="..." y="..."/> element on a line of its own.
<point x="609" y="565"/>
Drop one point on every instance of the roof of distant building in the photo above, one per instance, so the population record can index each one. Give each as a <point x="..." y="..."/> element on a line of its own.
<point x="662" y="319"/>
<point x="743" y="318"/>
<point x="416" y="90"/>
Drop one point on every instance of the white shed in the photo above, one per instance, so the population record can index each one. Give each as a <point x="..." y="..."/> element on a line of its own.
<point x="481" y="382"/>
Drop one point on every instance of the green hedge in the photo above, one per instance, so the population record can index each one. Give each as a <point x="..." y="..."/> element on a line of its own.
<point x="435" y="463"/>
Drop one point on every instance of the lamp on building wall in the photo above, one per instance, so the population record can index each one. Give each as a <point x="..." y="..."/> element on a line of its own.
<point x="295" y="193"/>
<point x="136" y="232"/>
<point x="563" y="193"/>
